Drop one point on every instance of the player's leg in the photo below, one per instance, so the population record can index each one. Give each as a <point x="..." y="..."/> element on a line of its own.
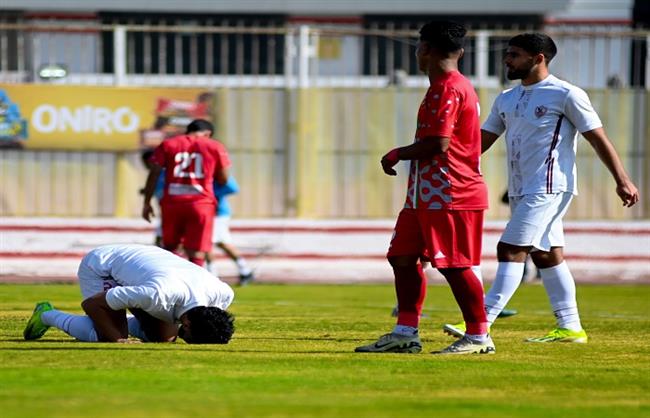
<point x="455" y="237"/>
<point x="197" y="237"/>
<point x="222" y="238"/>
<point x="172" y="224"/>
<point x="510" y="269"/>
<point x="80" y="327"/>
<point x="404" y="253"/>
<point x="558" y="281"/>
<point x="523" y="231"/>
<point x="479" y="275"/>
<point x="152" y="329"/>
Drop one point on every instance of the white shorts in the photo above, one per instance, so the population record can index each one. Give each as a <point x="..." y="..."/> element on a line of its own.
<point x="221" y="230"/>
<point x="91" y="283"/>
<point x="537" y="220"/>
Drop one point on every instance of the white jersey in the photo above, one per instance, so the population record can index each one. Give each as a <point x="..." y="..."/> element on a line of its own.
<point x="541" y="122"/>
<point x="155" y="280"/>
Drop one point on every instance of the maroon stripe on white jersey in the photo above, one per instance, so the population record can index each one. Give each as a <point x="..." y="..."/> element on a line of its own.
<point x="550" y="160"/>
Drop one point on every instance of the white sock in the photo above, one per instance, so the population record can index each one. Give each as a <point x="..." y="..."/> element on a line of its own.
<point x="561" y="290"/>
<point x="405" y="330"/>
<point x="479" y="338"/>
<point x="505" y="284"/>
<point x="134" y="328"/>
<point x="477" y="273"/>
<point x="243" y="268"/>
<point x="80" y="327"/>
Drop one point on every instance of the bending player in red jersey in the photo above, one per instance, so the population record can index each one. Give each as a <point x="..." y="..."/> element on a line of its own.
<point x="192" y="162"/>
<point x="442" y="220"/>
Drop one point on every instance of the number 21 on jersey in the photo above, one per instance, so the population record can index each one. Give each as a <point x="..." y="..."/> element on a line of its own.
<point x="188" y="165"/>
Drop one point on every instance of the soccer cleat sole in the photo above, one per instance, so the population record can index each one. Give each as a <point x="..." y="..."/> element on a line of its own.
<point x="452" y="331"/>
<point x="485" y="350"/>
<point x="410" y="348"/>
<point x="579" y="340"/>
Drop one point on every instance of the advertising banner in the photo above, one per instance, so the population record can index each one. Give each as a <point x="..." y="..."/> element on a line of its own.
<point x="58" y="117"/>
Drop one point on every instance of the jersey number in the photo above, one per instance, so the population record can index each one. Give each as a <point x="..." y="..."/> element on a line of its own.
<point x="188" y="165"/>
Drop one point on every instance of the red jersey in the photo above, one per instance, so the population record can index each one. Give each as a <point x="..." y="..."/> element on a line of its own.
<point x="190" y="164"/>
<point x="451" y="180"/>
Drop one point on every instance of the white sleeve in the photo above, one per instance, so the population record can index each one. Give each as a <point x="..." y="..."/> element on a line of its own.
<point x="142" y="297"/>
<point x="494" y="123"/>
<point x="580" y="112"/>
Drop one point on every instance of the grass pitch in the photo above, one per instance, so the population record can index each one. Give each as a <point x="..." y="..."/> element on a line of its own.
<point x="292" y="355"/>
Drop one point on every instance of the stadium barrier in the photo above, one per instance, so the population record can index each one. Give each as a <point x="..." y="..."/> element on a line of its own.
<point x="291" y="250"/>
<point x="309" y="153"/>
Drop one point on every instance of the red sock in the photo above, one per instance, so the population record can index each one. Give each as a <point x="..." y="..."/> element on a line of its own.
<point x="468" y="291"/>
<point x="411" y="288"/>
<point x="198" y="261"/>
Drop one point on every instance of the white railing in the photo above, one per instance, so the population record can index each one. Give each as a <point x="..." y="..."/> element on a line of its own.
<point x="292" y="56"/>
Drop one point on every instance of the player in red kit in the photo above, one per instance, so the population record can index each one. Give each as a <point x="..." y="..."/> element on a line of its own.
<point x="442" y="219"/>
<point x="192" y="162"/>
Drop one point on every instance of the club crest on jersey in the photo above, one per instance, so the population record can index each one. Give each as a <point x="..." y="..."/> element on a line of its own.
<point x="540" y="111"/>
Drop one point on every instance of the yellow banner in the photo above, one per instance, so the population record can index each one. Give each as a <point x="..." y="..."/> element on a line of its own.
<point x="96" y="118"/>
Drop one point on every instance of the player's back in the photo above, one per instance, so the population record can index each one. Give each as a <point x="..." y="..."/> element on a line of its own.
<point x="190" y="163"/>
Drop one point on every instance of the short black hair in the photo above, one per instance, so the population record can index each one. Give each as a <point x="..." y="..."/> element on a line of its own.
<point x="535" y="43"/>
<point x="199" y="125"/>
<point x="444" y="35"/>
<point x="210" y="325"/>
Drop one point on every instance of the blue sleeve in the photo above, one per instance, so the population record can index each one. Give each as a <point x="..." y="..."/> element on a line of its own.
<point x="160" y="186"/>
<point x="231" y="187"/>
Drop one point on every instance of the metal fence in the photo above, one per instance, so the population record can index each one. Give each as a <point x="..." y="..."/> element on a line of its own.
<point x="216" y="54"/>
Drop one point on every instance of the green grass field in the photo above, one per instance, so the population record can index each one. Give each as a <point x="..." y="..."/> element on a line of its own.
<point x="292" y="355"/>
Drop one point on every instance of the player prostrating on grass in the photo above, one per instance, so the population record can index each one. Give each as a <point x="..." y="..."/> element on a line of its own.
<point x="442" y="219"/>
<point x="541" y="118"/>
<point x="191" y="162"/>
<point x="160" y="289"/>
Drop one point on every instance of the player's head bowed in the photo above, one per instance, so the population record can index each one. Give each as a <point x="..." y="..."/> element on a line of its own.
<point x="208" y="325"/>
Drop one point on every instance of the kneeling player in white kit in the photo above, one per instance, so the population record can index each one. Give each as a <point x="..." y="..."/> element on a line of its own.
<point x="159" y="288"/>
<point x="541" y="118"/>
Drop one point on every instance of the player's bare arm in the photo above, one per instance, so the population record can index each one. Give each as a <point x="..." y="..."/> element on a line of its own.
<point x="111" y="325"/>
<point x="150" y="186"/>
<point x="221" y="176"/>
<point x="420" y="150"/>
<point x="625" y="188"/>
<point x="487" y="139"/>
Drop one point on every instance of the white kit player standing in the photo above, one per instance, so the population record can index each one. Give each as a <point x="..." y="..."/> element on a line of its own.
<point x="541" y="118"/>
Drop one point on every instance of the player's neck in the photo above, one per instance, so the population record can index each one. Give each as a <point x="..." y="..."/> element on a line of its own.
<point x="535" y="77"/>
<point x="441" y="68"/>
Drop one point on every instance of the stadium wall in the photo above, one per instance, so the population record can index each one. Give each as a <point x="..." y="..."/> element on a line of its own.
<point x="313" y="153"/>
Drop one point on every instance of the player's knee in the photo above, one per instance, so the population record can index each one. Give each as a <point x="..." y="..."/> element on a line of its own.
<point x="511" y="253"/>
<point x="403" y="260"/>
<point x="546" y="259"/>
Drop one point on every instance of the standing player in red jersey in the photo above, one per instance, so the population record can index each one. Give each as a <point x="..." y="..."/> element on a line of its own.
<point x="442" y="219"/>
<point x="192" y="162"/>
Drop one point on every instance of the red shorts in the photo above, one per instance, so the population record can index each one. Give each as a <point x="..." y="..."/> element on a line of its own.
<point x="189" y="224"/>
<point x="448" y="238"/>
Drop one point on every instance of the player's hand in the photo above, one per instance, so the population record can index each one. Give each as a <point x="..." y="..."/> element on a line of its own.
<point x="147" y="212"/>
<point x="628" y="193"/>
<point x="389" y="161"/>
